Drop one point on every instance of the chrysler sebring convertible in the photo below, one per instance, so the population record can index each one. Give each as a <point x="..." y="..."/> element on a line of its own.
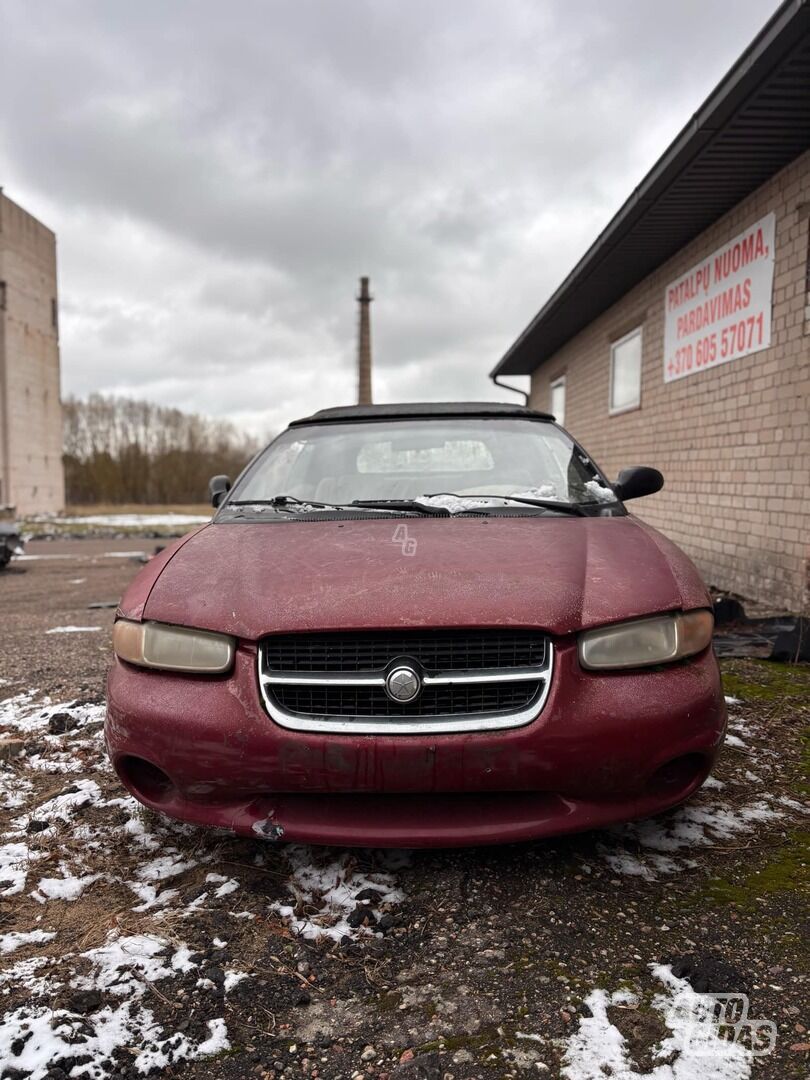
<point x="417" y="625"/>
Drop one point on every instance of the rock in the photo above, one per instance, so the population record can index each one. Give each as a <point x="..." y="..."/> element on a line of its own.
<point x="61" y="722"/>
<point x="709" y="975"/>
<point x="386" y="922"/>
<point x="369" y="894"/>
<point x="423" y="1067"/>
<point x="84" y="1002"/>
<point x="369" y="1053"/>
<point x="36" y="825"/>
<point x="18" y="1045"/>
<point x="10" y="747"/>
<point x="487" y="955"/>
<point x="463" y="1057"/>
<point x="361" y="914"/>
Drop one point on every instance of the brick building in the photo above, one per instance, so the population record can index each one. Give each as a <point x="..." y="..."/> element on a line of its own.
<point x="31" y="476"/>
<point x="682" y="338"/>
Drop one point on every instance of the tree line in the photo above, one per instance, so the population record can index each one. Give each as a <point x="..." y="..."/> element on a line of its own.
<point x="118" y="450"/>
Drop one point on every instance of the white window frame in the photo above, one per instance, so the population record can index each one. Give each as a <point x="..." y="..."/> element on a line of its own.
<point x="552" y="386"/>
<point x="614" y="345"/>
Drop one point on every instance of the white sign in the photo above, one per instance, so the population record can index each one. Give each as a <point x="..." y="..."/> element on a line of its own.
<point x="720" y="310"/>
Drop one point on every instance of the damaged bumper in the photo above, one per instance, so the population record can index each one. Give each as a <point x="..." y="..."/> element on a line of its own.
<point x="606" y="748"/>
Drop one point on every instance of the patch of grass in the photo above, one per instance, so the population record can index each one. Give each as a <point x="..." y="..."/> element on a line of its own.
<point x="485" y="1041"/>
<point x="788" y="871"/>
<point x="765" y="680"/>
<point x="803" y="786"/>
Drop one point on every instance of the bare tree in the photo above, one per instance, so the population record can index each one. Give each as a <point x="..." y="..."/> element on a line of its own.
<point x="120" y="450"/>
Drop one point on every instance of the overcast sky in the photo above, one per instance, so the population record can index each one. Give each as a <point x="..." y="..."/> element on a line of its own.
<point x="220" y="174"/>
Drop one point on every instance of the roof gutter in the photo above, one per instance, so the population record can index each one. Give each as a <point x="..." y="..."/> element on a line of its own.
<point x="496" y="378"/>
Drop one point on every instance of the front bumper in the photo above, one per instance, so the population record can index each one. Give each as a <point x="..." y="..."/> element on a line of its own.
<point x="606" y="748"/>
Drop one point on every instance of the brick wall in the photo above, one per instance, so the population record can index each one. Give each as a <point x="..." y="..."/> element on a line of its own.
<point x="733" y="442"/>
<point x="30" y="408"/>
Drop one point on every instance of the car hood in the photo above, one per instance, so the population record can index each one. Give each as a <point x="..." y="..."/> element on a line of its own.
<point x="558" y="574"/>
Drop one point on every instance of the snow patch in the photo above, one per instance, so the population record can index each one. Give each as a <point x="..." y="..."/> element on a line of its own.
<point x="124" y="966"/>
<point x="73" y="630"/>
<point x="646" y="848"/>
<point x="15" y="859"/>
<point x="12" y="941"/>
<point x="124" y="521"/>
<point x="693" y="1050"/>
<point x="599" y="492"/>
<point x="68" y="887"/>
<point x="324" y="894"/>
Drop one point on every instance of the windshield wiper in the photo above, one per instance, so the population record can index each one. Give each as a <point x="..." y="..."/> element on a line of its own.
<point x="290" y="502"/>
<point x="406" y="505"/>
<point x="545" y="504"/>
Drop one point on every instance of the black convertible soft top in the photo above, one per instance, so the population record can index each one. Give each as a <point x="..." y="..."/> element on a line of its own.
<point x="422" y="411"/>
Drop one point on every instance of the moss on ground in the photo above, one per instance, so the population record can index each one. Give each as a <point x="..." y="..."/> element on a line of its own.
<point x="765" y="680"/>
<point x="787" y="871"/>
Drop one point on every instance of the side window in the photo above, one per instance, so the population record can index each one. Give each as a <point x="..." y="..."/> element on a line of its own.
<point x="625" y="372"/>
<point x="558" y="400"/>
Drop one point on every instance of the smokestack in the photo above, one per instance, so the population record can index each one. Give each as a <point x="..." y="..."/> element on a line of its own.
<point x="364" y="345"/>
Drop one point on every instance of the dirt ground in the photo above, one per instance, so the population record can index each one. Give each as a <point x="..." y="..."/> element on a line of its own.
<point x="130" y="945"/>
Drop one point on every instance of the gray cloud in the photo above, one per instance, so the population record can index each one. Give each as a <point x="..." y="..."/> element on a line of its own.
<point x="219" y="176"/>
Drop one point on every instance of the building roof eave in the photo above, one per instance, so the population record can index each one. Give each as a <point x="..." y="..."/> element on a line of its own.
<point x="699" y="171"/>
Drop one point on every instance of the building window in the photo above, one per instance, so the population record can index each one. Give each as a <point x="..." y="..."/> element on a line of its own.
<point x="625" y="372"/>
<point x="54" y="316"/>
<point x="2" y="296"/>
<point x="558" y="399"/>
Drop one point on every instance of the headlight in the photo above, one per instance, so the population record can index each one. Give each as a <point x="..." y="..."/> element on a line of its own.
<point x="643" y="642"/>
<point x="172" y="648"/>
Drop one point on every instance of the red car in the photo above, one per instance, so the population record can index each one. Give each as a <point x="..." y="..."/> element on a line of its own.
<point x="417" y="625"/>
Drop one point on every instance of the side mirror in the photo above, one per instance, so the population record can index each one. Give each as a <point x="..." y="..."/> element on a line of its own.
<point x="218" y="488"/>
<point x="637" y="481"/>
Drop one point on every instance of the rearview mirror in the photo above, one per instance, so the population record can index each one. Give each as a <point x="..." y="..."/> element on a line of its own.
<point x="218" y="488"/>
<point x="637" y="481"/>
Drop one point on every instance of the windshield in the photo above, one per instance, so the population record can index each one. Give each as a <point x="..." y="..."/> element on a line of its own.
<point x="409" y="459"/>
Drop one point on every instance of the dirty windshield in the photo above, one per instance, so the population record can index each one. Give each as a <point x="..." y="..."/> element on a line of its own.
<point x="423" y="459"/>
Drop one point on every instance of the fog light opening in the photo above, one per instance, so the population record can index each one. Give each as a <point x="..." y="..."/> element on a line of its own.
<point x="679" y="773"/>
<point x="147" y="780"/>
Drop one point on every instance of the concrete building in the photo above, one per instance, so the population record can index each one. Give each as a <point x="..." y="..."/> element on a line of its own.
<point x="31" y="475"/>
<point x="682" y="338"/>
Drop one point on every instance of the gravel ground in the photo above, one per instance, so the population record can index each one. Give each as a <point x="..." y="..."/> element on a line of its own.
<point x="130" y="945"/>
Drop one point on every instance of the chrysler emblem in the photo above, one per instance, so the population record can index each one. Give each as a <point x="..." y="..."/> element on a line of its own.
<point x="403" y="684"/>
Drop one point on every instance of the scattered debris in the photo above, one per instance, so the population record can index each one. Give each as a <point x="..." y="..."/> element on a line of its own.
<point x="783" y="638"/>
<point x="11" y="543"/>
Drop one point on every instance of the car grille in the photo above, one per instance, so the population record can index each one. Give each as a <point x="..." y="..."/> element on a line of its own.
<point x="472" y="680"/>
<point x="433" y="701"/>
<point x="436" y="650"/>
